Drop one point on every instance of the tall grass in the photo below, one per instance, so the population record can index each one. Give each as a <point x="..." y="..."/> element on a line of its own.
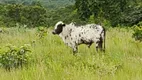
<point x="53" y="60"/>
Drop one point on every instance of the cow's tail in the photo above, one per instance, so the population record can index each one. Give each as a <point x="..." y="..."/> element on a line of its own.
<point x="104" y="37"/>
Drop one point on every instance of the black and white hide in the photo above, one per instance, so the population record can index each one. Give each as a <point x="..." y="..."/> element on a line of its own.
<point x="75" y="35"/>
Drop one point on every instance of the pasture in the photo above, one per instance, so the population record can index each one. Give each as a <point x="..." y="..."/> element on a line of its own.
<point x="53" y="60"/>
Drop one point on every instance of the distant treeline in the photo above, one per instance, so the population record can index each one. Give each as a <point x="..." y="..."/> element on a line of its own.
<point x="52" y="4"/>
<point x="106" y="12"/>
<point x="33" y="15"/>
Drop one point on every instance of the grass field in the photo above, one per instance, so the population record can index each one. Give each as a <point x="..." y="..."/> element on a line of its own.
<point x="53" y="60"/>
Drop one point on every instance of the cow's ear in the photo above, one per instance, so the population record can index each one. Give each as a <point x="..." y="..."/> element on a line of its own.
<point x="63" y="24"/>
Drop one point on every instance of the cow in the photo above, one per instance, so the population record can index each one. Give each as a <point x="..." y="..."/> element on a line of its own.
<point x="73" y="35"/>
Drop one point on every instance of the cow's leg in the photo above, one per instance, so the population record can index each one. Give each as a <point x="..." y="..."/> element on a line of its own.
<point x="97" y="45"/>
<point x="100" y="45"/>
<point x="75" y="49"/>
<point x="73" y="46"/>
<point x="89" y="45"/>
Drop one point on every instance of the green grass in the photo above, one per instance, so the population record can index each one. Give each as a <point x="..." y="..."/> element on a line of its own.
<point x="53" y="60"/>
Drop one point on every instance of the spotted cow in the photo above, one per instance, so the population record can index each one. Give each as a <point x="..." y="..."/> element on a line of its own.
<point x="73" y="35"/>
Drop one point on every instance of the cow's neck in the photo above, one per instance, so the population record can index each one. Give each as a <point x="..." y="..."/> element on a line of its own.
<point x="66" y="31"/>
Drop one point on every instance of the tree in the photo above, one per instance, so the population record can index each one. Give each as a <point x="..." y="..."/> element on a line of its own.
<point x="32" y="16"/>
<point x="83" y="9"/>
<point x="113" y="10"/>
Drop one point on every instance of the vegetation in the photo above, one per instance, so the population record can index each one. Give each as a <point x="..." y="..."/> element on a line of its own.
<point x="138" y="31"/>
<point x="36" y="13"/>
<point x="33" y="16"/>
<point x="31" y="22"/>
<point x="52" y="59"/>
<point x="14" y="57"/>
<point x="52" y="4"/>
<point x="123" y="12"/>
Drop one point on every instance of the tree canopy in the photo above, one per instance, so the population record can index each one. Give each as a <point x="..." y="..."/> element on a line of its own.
<point x="47" y="12"/>
<point x="126" y="12"/>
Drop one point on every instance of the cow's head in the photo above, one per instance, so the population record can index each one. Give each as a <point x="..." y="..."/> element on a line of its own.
<point x="58" y="27"/>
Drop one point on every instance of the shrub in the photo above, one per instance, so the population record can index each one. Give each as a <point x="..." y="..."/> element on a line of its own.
<point x="41" y="32"/>
<point x="138" y="32"/>
<point x="14" y="57"/>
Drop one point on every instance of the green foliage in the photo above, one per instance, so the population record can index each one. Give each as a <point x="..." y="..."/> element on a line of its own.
<point x="67" y="14"/>
<point x="41" y="32"/>
<point x="46" y="13"/>
<point x="52" y="4"/>
<point x="132" y="16"/>
<point x="14" y="57"/>
<point x="33" y="16"/>
<point x="83" y="9"/>
<point x="138" y="31"/>
<point x="123" y="12"/>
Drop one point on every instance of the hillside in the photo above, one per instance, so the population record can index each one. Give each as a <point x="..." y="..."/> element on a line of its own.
<point x="51" y="59"/>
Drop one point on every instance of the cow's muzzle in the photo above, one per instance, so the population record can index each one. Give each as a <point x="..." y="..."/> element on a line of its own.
<point x="53" y="32"/>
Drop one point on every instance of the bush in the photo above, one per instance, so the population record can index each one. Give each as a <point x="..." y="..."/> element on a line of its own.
<point x="138" y="32"/>
<point x="41" y="32"/>
<point x="14" y="57"/>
